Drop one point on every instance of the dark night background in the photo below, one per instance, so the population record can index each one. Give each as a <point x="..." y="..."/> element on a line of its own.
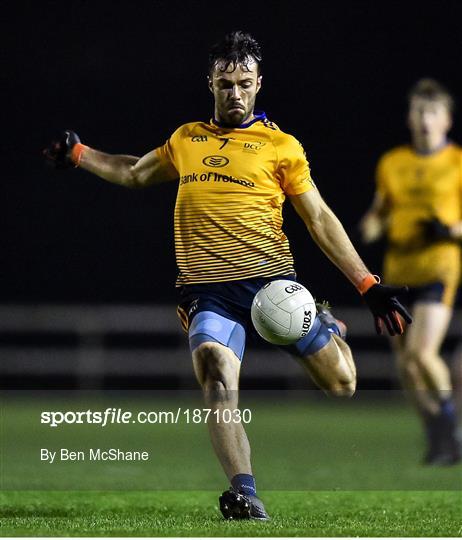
<point x="124" y="75"/>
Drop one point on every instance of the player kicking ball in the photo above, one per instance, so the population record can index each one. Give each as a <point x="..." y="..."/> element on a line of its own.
<point x="233" y="174"/>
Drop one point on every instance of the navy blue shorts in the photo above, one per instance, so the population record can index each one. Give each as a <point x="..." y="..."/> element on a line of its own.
<point x="221" y="312"/>
<point x="433" y="292"/>
<point x="231" y="299"/>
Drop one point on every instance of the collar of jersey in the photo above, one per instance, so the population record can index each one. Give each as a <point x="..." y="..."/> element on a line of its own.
<point x="259" y="115"/>
<point x="442" y="146"/>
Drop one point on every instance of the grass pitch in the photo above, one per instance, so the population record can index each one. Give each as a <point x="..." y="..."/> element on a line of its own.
<point x="323" y="468"/>
<point x="196" y="513"/>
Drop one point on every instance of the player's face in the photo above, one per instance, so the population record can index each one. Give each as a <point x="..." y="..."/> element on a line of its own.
<point x="429" y="121"/>
<point x="235" y="91"/>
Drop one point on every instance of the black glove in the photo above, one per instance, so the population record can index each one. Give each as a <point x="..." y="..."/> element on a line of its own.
<point x="386" y="308"/>
<point x="435" y="230"/>
<point x="58" y="153"/>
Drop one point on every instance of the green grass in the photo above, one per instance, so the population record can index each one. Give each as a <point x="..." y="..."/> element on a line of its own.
<point x="323" y="468"/>
<point x="196" y="514"/>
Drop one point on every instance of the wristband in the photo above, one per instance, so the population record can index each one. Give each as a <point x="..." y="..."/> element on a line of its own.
<point x="76" y="153"/>
<point x="366" y="283"/>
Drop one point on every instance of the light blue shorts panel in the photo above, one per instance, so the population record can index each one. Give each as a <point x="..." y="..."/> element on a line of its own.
<point x="210" y="326"/>
<point x="316" y="339"/>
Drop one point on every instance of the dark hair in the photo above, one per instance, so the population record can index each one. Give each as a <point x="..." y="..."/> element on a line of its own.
<point x="432" y="90"/>
<point x="236" y="48"/>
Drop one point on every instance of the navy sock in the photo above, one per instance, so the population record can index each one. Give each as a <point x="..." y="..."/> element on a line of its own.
<point x="244" y="483"/>
<point x="447" y="408"/>
<point x="447" y="413"/>
<point x="444" y="422"/>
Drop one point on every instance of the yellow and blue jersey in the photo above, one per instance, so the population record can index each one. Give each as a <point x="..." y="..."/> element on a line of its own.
<point x="232" y="185"/>
<point x="416" y="188"/>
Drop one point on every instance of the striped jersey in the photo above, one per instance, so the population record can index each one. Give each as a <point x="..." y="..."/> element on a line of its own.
<point x="416" y="188"/>
<point x="232" y="185"/>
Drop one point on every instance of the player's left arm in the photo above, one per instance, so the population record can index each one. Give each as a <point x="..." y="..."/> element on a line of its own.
<point x="329" y="234"/>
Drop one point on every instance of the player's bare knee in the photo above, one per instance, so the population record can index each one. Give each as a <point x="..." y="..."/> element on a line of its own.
<point x="425" y="358"/>
<point x="342" y="389"/>
<point x="218" y="370"/>
<point x="408" y="366"/>
<point x="417" y="359"/>
<point x="216" y="393"/>
<point x="343" y="382"/>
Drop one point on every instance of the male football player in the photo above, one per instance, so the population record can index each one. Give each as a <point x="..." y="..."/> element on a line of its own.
<point x="233" y="174"/>
<point x="417" y="205"/>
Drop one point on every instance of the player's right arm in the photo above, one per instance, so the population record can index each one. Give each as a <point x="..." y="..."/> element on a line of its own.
<point x="129" y="171"/>
<point x="327" y="231"/>
<point x="125" y="170"/>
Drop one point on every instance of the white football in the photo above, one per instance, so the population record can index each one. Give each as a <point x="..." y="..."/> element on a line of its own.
<point x="283" y="311"/>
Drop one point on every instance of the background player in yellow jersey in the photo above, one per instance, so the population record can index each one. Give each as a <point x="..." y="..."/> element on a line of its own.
<point x="233" y="174"/>
<point x="418" y="204"/>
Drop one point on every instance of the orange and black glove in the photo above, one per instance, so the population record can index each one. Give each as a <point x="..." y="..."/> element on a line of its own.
<point x="65" y="151"/>
<point x="385" y="307"/>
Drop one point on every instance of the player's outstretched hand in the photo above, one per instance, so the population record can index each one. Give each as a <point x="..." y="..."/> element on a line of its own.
<point x="386" y="309"/>
<point x="435" y="230"/>
<point x="59" y="153"/>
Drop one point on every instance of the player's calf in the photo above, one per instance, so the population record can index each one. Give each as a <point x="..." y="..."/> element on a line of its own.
<point x="432" y="396"/>
<point x="326" y="356"/>
<point x="443" y="444"/>
<point x="332" y="368"/>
